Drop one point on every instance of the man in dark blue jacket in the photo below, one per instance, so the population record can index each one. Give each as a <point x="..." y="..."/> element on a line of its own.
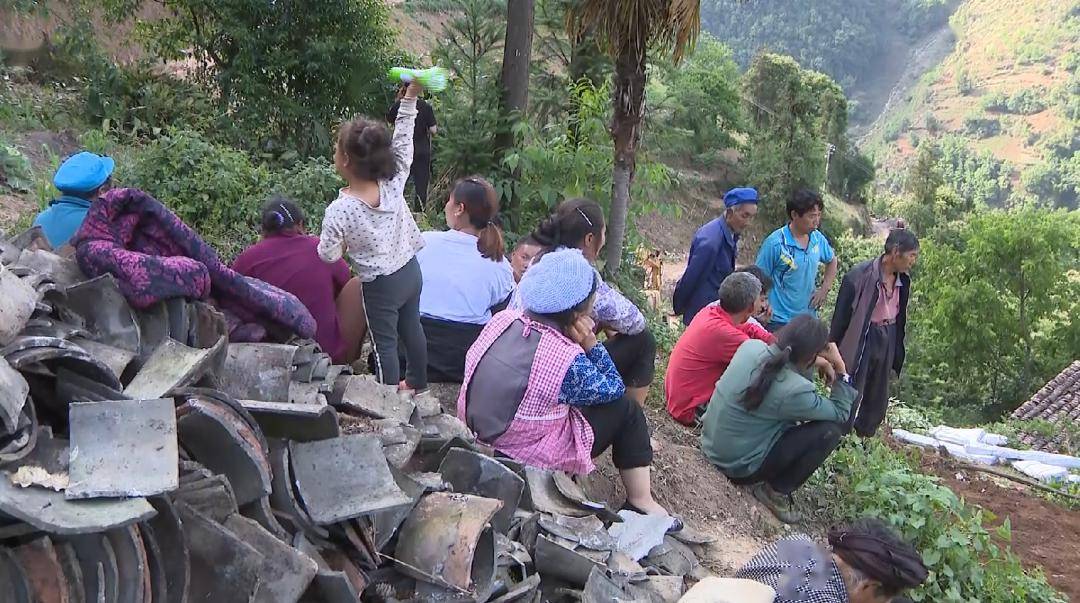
<point x="713" y="253"/>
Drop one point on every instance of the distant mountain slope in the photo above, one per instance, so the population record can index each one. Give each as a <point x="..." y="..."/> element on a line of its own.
<point x="1010" y="88"/>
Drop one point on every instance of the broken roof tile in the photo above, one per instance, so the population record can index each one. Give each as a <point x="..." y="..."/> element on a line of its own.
<point x="122" y="448"/>
<point x="344" y="477"/>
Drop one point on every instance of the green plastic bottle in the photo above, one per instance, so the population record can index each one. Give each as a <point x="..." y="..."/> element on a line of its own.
<point x="432" y="78"/>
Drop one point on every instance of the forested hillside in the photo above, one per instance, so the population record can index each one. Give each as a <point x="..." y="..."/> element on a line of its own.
<point x="1002" y="110"/>
<point x="854" y="41"/>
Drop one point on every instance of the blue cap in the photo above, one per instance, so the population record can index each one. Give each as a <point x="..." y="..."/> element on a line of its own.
<point x="559" y="281"/>
<point x="738" y="196"/>
<point x="83" y="172"/>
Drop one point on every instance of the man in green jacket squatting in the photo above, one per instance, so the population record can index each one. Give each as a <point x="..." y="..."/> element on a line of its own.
<point x="766" y="424"/>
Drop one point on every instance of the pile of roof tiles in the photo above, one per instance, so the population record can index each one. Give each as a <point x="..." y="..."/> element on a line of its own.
<point x="144" y="458"/>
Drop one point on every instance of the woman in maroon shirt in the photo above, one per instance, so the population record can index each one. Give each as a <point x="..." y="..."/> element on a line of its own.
<point x="288" y="259"/>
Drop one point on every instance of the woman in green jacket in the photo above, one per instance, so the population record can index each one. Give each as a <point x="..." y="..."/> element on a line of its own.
<point x="766" y="424"/>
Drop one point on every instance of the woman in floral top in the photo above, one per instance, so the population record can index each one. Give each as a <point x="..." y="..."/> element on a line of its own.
<point x="579" y="224"/>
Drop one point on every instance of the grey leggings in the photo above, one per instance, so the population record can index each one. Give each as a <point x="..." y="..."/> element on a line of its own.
<point x="392" y="303"/>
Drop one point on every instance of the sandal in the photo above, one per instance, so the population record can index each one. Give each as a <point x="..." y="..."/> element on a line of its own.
<point x="676" y="524"/>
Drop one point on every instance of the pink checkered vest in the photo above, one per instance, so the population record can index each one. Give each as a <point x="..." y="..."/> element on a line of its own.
<point x="543" y="432"/>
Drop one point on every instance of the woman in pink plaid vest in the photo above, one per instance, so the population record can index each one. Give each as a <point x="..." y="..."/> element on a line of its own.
<point x="540" y="389"/>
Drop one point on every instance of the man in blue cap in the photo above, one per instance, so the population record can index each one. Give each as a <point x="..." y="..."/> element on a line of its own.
<point x="713" y="253"/>
<point x="81" y="178"/>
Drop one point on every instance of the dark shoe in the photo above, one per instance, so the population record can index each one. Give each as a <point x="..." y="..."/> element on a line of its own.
<point x="779" y="505"/>
<point x="676" y="525"/>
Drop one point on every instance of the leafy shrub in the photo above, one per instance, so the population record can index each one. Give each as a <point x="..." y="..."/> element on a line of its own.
<point x="284" y="71"/>
<point x="1027" y="101"/>
<point x="135" y="101"/>
<point x="964" y="84"/>
<point x="15" y="171"/>
<point x="215" y="189"/>
<point x="218" y="190"/>
<point x="694" y="107"/>
<point x="977" y="176"/>
<point x="933" y="124"/>
<point x="313" y="184"/>
<point x="968" y="558"/>
<point x="982" y="127"/>
<point x="894" y="127"/>
<point x="556" y="164"/>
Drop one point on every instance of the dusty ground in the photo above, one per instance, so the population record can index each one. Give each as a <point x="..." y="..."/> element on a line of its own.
<point x="1044" y="534"/>
<point x="689" y="486"/>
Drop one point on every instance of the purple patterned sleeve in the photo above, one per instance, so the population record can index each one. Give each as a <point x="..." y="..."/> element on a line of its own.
<point x="611" y="309"/>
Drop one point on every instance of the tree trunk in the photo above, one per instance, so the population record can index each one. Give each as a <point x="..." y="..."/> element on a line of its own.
<point x="514" y="79"/>
<point x="628" y="97"/>
<point x="514" y="87"/>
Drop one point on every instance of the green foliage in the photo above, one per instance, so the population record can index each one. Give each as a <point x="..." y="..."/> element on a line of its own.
<point x="557" y="163"/>
<point x="976" y="176"/>
<point x="964" y="84"/>
<point x="793" y="115"/>
<point x="933" y="124"/>
<point x="694" y="107"/>
<point x="218" y="190"/>
<point x="468" y="110"/>
<point x="1026" y="101"/>
<point x="981" y="127"/>
<point x="968" y="556"/>
<point x="994" y="311"/>
<point x="15" y="171"/>
<point x="1055" y="181"/>
<point x="284" y="71"/>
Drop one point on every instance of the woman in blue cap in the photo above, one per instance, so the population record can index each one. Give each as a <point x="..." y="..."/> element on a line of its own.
<point x="540" y="389"/>
<point x="712" y="254"/>
<point x="81" y="179"/>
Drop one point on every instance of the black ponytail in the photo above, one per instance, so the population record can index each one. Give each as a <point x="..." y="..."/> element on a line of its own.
<point x="280" y="214"/>
<point x="800" y="341"/>
<point x="572" y="221"/>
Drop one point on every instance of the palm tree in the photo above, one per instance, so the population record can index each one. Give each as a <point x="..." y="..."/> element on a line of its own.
<point x="626" y="30"/>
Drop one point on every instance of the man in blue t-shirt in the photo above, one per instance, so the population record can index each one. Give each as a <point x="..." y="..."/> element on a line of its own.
<point x="791" y="255"/>
<point x="713" y="253"/>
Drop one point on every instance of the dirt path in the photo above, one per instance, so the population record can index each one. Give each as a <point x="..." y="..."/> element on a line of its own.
<point x="688" y="485"/>
<point x="1043" y="534"/>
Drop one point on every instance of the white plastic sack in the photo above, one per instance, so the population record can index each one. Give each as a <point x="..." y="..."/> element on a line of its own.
<point x="953" y="449"/>
<point x="638" y="534"/>
<point x="914" y="438"/>
<point x="965" y="453"/>
<point x="1041" y="471"/>
<point x="958" y="435"/>
<point x="1058" y="460"/>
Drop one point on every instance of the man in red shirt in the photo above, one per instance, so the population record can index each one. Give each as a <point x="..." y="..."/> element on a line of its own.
<point x="704" y="351"/>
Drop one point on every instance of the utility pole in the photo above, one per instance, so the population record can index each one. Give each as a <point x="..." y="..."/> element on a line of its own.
<point x="830" y="148"/>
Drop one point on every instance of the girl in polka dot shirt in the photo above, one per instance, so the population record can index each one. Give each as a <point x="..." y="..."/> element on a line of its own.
<point x="370" y="222"/>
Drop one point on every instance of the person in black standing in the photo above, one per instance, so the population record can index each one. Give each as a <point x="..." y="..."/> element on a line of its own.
<point x="426" y="126"/>
<point x="869" y="322"/>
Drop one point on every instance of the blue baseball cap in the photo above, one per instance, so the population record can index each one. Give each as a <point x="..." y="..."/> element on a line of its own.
<point x="738" y="196"/>
<point x="83" y="172"/>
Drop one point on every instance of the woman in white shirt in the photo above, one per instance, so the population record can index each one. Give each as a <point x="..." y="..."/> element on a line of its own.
<point x="466" y="276"/>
